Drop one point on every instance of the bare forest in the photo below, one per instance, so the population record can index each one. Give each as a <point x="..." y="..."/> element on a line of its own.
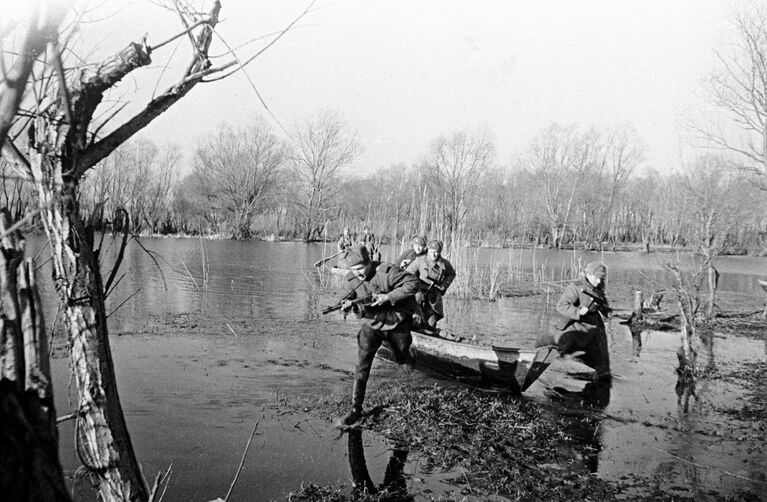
<point x="572" y="187"/>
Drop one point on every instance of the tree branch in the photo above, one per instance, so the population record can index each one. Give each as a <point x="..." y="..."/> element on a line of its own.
<point x="199" y="68"/>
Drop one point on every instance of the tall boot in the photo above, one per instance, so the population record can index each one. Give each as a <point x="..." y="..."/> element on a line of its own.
<point x="358" y="396"/>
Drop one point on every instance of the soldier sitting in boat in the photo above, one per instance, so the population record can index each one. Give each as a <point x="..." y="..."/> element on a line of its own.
<point x="387" y="315"/>
<point x="583" y="306"/>
<point x="436" y="275"/>
<point x="346" y="240"/>
<point x="418" y="249"/>
<point x="368" y="239"/>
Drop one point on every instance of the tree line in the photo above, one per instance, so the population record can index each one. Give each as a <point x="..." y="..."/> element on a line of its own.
<point x="571" y="186"/>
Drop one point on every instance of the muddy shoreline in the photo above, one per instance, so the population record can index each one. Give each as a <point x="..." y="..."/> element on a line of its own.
<point x="503" y="447"/>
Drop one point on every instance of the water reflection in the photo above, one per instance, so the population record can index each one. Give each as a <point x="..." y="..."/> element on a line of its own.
<point x="685" y="389"/>
<point x="394" y="482"/>
<point x="636" y="339"/>
<point x="584" y="426"/>
<point x="687" y="380"/>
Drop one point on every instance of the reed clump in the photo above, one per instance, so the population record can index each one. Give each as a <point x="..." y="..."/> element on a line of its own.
<point x="506" y="272"/>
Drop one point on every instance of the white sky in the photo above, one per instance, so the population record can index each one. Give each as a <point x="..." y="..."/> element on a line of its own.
<point x="403" y="72"/>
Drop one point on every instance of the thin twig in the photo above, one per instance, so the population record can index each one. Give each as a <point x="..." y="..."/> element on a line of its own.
<point x="123" y="303"/>
<point x="181" y="34"/>
<point x="114" y="286"/>
<point x="151" y="255"/>
<point x="274" y="41"/>
<point x="242" y="462"/>
<point x="196" y="287"/>
<point x="162" y="477"/>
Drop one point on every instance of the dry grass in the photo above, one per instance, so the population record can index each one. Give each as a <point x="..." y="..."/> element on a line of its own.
<point x="506" y="273"/>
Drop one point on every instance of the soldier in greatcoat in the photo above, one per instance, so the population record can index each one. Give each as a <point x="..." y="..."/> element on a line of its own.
<point x="436" y="274"/>
<point x="583" y="306"/>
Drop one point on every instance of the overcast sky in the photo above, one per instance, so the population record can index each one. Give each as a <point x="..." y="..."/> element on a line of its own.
<point x="403" y="72"/>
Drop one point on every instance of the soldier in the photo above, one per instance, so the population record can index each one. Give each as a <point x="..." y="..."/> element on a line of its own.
<point x="368" y="239"/>
<point x="583" y="305"/>
<point x="436" y="275"/>
<point x="388" y="315"/>
<point x="346" y="240"/>
<point x="418" y="249"/>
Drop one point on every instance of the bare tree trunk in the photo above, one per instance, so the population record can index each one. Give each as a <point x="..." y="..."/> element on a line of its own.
<point x="102" y="438"/>
<point x="713" y="284"/>
<point x="29" y="463"/>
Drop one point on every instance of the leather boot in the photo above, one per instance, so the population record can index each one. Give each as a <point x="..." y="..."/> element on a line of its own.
<point x="358" y="396"/>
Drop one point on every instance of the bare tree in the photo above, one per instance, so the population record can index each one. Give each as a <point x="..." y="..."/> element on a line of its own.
<point x="739" y="89"/>
<point x="558" y="161"/>
<point x="714" y="209"/>
<point x="240" y="167"/>
<point x="321" y="147"/>
<point x="455" y="169"/>
<point x="617" y="154"/>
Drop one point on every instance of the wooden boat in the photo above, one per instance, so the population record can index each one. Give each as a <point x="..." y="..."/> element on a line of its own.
<point x="486" y="365"/>
<point x="763" y="284"/>
<point x="341" y="272"/>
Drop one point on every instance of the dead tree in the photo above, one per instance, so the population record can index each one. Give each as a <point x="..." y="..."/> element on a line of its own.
<point x="61" y="150"/>
<point x="688" y="301"/>
<point x="29" y="465"/>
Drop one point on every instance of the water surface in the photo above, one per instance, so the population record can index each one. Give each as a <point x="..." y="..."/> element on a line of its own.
<point x="212" y="337"/>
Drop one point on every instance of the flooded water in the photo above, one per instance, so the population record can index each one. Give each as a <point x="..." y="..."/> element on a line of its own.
<point x="211" y="338"/>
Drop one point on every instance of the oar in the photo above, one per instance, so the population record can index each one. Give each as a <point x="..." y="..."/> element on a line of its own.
<point x="320" y="262"/>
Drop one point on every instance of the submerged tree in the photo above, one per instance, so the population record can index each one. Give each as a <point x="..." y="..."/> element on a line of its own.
<point x="713" y="210"/>
<point x="455" y="169"/>
<point x="558" y="161"/>
<point x="237" y="168"/>
<point x="321" y="147"/>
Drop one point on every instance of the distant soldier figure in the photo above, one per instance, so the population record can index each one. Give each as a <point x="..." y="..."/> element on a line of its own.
<point x="387" y="317"/>
<point x="583" y="305"/>
<point x="346" y="240"/>
<point x="418" y="249"/>
<point x="368" y="239"/>
<point x="436" y="275"/>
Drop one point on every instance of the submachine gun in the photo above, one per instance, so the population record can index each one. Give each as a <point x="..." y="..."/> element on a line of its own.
<point x="597" y="304"/>
<point x="340" y="304"/>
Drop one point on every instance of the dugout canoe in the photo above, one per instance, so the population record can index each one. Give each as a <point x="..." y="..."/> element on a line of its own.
<point x="487" y="365"/>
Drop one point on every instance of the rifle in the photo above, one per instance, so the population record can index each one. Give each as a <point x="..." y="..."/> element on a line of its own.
<point x="340" y="304"/>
